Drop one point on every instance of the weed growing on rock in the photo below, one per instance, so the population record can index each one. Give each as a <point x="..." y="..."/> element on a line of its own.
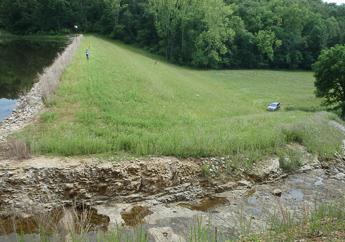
<point x="289" y="159"/>
<point x="205" y="170"/>
<point x="201" y="233"/>
<point x="324" y="223"/>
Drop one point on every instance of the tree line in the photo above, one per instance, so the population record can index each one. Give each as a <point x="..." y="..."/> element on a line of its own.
<point x="286" y="34"/>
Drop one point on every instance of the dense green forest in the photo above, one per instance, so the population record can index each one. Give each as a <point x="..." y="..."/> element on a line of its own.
<point x="202" y="33"/>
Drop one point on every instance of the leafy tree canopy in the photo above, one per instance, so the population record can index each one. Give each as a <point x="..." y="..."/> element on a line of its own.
<point x="330" y="77"/>
<point x="286" y="34"/>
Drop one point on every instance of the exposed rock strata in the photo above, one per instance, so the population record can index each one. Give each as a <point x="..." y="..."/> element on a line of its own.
<point x="41" y="181"/>
<point x="159" y="184"/>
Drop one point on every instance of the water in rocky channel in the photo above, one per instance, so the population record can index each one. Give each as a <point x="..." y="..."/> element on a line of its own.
<point x="21" y="60"/>
<point x="54" y="225"/>
<point x="166" y="196"/>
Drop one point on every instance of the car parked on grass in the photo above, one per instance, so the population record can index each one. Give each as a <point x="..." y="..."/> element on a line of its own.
<point x="272" y="107"/>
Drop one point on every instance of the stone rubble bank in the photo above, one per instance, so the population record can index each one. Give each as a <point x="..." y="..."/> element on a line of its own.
<point x="29" y="105"/>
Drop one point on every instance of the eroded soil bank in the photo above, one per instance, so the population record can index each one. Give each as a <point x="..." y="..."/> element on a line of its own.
<point x="169" y="195"/>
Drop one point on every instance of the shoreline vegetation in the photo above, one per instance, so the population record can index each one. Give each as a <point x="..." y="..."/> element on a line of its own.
<point x="126" y="101"/>
<point x="39" y="37"/>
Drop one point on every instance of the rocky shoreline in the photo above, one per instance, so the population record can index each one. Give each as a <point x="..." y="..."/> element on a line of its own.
<point x="30" y="104"/>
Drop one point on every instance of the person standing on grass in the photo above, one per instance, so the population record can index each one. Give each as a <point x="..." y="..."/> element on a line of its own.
<point x="87" y="53"/>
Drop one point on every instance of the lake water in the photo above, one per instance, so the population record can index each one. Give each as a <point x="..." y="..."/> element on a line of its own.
<point x="47" y="226"/>
<point x="20" y="61"/>
<point x="6" y="107"/>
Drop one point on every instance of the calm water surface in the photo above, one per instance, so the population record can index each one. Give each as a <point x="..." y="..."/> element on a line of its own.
<point x="6" y="107"/>
<point x="20" y="61"/>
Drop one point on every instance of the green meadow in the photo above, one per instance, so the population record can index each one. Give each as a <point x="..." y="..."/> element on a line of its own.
<point x="125" y="100"/>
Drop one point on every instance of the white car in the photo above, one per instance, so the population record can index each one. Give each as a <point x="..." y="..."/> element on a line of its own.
<point x="273" y="107"/>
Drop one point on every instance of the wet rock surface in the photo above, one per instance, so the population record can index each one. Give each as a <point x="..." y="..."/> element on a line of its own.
<point x="135" y="216"/>
<point x="252" y="209"/>
<point x="205" y="204"/>
<point x="31" y="223"/>
<point x="246" y="205"/>
<point x="167" y="195"/>
<point x="164" y="234"/>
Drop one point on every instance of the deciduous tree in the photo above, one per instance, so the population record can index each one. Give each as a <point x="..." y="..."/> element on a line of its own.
<point x="330" y="77"/>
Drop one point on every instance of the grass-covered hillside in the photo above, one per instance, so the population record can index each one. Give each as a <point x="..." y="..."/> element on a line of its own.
<point x="125" y="100"/>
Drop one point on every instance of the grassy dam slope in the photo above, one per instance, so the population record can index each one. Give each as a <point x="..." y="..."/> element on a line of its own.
<point x="125" y="100"/>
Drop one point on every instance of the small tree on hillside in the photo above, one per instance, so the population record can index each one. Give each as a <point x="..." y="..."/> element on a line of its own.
<point x="330" y="77"/>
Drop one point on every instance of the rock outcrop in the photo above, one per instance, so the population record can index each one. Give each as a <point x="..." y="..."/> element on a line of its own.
<point x="42" y="180"/>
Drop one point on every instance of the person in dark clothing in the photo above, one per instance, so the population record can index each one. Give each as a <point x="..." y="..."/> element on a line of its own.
<point x="87" y="53"/>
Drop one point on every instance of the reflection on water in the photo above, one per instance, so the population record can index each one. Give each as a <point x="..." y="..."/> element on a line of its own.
<point x="205" y="204"/>
<point x="135" y="216"/>
<point x="52" y="226"/>
<point x="20" y="61"/>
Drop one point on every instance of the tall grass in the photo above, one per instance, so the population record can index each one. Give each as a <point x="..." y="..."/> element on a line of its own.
<point x="200" y="233"/>
<point x="68" y="225"/>
<point x="121" y="235"/>
<point x="123" y="100"/>
<point x="17" y="149"/>
<point x="325" y="222"/>
<point x="50" y="78"/>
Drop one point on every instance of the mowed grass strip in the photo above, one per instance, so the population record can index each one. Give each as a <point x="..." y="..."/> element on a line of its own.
<point x="125" y="100"/>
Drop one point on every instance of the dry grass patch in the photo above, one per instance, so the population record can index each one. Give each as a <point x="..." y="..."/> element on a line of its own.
<point x="16" y="150"/>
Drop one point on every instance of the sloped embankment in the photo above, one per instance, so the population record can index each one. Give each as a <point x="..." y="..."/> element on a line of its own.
<point x="30" y="104"/>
